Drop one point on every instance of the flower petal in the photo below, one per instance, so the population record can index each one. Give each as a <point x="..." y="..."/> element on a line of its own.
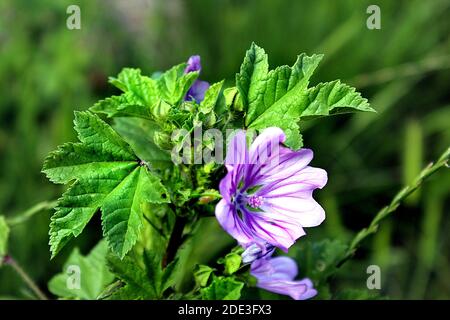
<point x="256" y="251"/>
<point x="266" y="144"/>
<point x="310" y="292"/>
<point x="297" y="290"/>
<point x="281" y="233"/>
<point x="283" y="190"/>
<point x="305" y="212"/>
<point x="289" y="163"/>
<point x="197" y="91"/>
<point x="277" y="275"/>
<point x="231" y="223"/>
<point x="226" y="187"/>
<point x="284" y="268"/>
<point x="193" y="64"/>
<point x="300" y="184"/>
<point x="237" y="153"/>
<point x="291" y="199"/>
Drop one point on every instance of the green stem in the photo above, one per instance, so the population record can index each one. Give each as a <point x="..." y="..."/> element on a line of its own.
<point x="215" y="195"/>
<point x="27" y="214"/>
<point x="399" y="197"/>
<point x="8" y="260"/>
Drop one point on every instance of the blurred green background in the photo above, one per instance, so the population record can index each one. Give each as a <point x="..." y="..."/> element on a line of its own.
<point x="47" y="71"/>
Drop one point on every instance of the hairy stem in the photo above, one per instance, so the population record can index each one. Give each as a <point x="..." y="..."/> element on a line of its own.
<point x="8" y="260"/>
<point x="391" y="207"/>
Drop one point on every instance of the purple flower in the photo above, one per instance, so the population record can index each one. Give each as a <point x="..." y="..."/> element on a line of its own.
<point x="267" y="192"/>
<point x="277" y="275"/>
<point x="197" y="90"/>
<point x="257" y="251"/>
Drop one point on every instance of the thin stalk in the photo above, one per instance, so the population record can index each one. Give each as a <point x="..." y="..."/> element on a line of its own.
<point x="8" y="260"/>
<point x="27" y="214"/>
<point x="399" y="197"/>
<point x="401" y="71"/>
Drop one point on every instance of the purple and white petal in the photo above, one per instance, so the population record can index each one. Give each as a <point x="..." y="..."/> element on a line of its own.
<point x="289" y="164"/>
<point x="277" y="275"/>
<point x="257" y="251"/>
<point x="225" y="214"/>
<point x="280" y="232"/>
<point x="270" y="200"/>
<point x="237" y="153"/>
<point x="297" y="290"/>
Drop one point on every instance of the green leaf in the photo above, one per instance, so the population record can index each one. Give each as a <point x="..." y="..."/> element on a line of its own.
<point x="233" y="99"/>
<point x="331" y="98"/>
<point x="232" y="262"/>
<point x="211" y="96"/>
<point x="108" y="177"/>
<point x="223" y="288"/>
<point x="318" y="260"/>
<point x="143" y="283"/>
<point x="160" y="110"/>
<point x="109" y="106"/>
<point x="169" y="276"/>
<point x="139" y="133"/>
<point x="146" y="97"/>
<point x="140" y="94"/>
<point x="251" y="80"/>
<point x="4" y="234"/>
<point x="89" y="272"/>
<point x="138" y="89"/>
<point x="137" y="285"/>
<point x="117" y="106"/>
<point x="281" y="97"/>
<point x="202" y="274"/>
<point x="121" y="209"/>
<point x="174" y="83"/>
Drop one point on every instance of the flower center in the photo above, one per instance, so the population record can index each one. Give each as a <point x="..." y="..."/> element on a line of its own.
<point x="255" y="201"/>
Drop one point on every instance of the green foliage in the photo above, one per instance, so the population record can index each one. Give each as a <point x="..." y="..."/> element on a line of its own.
<point x="138" y="89"/>
<point x="281" y="97"/>
<point x="146" y="97"/>
<point x="173" y="84"/>
<point x="140" y="135"/>
<point x="232" y="261"/>
<point x="93" y="275"/>
<point x="108" y="176"/>
<point x="211" y="96"/>
<point x="51" y="79"/>
<point x="4" y="234"/>
<point x="148" y="282"/>
<point x="223" y="288"/>
<point x="202" y="274"/>
<point x="135" y="284"/>
<point x="404" y="193"/>
<point x="319" y="260"/>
